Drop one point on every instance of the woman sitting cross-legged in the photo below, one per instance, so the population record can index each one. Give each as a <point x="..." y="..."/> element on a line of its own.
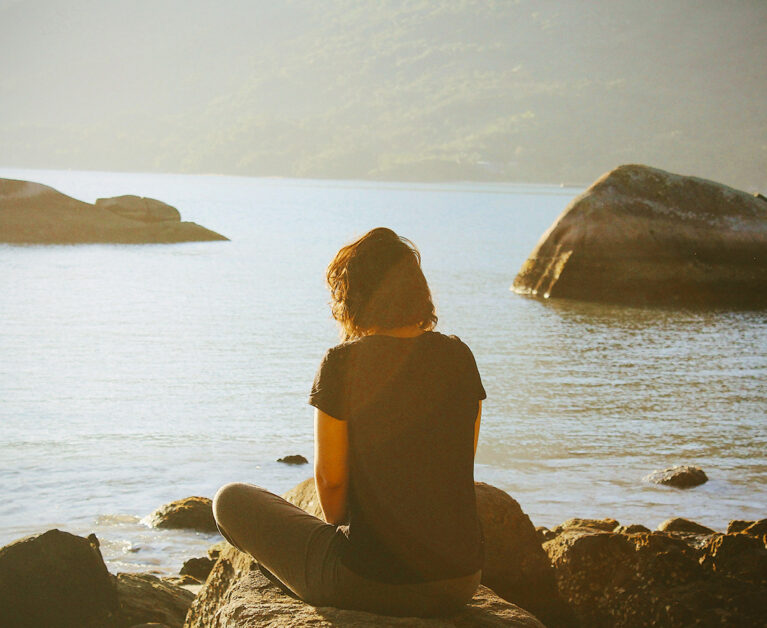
<point x="397" y="413"/>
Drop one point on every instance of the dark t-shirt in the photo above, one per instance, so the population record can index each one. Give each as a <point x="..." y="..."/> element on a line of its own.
<point x="410" y="405"/>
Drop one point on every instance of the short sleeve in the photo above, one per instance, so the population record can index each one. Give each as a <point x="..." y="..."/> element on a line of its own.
<point x="471" y="374"/>
<point x="327" y="393"/>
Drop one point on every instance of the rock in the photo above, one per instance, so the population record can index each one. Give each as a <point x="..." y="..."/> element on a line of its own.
<point x="737" y="555"/>
<point x="515" y="561"/>
<point x="737" y="525"/>
<point x="198" y="568"/>
<point x="682" y="476"/>
<point x="216" y="549"/>
<point x="138" y="208"/>
<point x="516" y="567"/>
<point x="607" y="525"/>
<point x="304" y="495"/>
<point x="648" y="579"/>
<point x="294" y="459"/>
<point x="634" y="528"/>
<point x="757" y="529"/>
<point x="181" y="580"/>
<point x="32" y="213"/>
<point x="144" y="598"/>
<point x="56" y="579"/>
<point x="640" y="235"/>
<point x="237" y="595"/>
<point x="679" y="524"/>
<point x="544" y="534"/>
<point x="195" y="513"/>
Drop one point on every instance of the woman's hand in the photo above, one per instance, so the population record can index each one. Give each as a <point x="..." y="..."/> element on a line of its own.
<point x="331" y="466"/>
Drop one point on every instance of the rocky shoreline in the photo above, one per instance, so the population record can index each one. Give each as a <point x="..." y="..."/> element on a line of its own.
<point x="583" y="572"/>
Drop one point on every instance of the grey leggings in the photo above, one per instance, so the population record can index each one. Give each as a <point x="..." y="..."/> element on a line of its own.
<point x="304" y="553"/>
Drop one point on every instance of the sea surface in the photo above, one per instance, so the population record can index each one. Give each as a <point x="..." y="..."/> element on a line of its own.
<point x="131" y="376"/>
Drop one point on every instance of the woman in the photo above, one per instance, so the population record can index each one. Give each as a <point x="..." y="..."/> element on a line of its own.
<point x="397" y="413"/>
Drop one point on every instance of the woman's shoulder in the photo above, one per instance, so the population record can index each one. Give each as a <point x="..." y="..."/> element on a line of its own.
<point x="450" y="340"/>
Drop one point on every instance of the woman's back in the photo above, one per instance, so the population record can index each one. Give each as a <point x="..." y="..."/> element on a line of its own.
<point x="410" y="405"/>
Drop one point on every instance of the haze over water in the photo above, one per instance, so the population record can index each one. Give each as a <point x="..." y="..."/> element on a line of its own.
<point x="135" y="375"/>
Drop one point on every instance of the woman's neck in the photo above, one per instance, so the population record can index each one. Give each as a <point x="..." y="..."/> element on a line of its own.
<point x="410" y="331"/>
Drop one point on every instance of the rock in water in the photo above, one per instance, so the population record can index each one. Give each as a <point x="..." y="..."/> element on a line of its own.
<point x="237" y="595"/>
<point x="32" y="213"/>
<point x="56" y="579"/>
<point x="195" y="513"/>
<point x="640" y="235"/>
<point x="682" y="476"/>
<point x="293" y="459"/>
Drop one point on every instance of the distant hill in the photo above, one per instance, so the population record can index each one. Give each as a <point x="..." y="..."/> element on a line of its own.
<point x="526" y="90"/>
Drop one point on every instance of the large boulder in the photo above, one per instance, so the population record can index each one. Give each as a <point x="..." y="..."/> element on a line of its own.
<point x="238" y="595"/>
<point x="144" y="598"/>
<point x="56" y="579"/>
<point x="642" y="235"/>
<point x="32" y="213"/>
<point x="516" y="567"/>
<point x="659" y="579"/>
<point x="194" y="513"/>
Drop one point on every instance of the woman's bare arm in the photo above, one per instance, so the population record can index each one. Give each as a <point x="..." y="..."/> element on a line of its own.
<point x="331" y="467"/>
<point x="476" y="426"/>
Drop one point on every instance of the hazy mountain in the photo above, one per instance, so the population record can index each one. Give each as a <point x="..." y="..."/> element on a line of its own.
<point x="526" y="90"/>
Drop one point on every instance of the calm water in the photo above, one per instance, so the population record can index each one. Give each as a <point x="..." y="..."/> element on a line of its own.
<point x="134" y="375"/>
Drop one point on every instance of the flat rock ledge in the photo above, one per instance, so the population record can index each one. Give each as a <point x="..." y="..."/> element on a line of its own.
<point x="237" y="595"/>
<point x="643" y="236"/>
<point x="32" y="213"/>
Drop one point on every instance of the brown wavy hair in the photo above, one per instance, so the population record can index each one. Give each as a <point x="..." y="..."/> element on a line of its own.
<point x="376" y="282"/>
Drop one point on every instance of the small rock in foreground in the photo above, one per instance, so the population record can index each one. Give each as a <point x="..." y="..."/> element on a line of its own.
<point x="682" y="476"/>
<point x="634" y="528"/>
<point x="679" y="524"/>
<point x="737" y="525"/>
<point x="294" y="459"/>
<point x="195" y="513"/>
<point x="198" y="568"/>
<point x="146" y="598"/>
<point x="606" y="525"/>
